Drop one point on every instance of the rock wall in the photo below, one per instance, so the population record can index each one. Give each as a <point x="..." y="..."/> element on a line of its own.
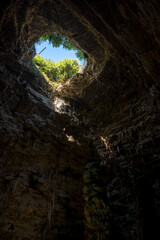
<point x="42" y="161"/>
<point x="108" y="115"/>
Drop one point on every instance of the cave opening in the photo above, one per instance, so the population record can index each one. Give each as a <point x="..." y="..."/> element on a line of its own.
<point x="57" y="59"/>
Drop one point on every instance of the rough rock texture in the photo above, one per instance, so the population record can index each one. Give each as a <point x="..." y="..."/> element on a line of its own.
<point x="110" y="115"/>
<point x="41" y="162"/>
<point x="96" y="203"/>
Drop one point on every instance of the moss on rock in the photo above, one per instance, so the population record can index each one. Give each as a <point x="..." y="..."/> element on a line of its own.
<point x="96" y="207"/>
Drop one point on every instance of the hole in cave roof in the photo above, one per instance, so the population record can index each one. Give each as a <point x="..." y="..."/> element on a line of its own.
<point x="57" y="59"/>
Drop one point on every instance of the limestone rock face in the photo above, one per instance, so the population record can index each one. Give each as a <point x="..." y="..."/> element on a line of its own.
<point x="96" y="205"/>
<point x="41" y="162"/>
<point x="109" y="115"/>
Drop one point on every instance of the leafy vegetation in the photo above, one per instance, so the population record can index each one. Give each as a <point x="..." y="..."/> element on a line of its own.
<point x="57" y="40"/>
<point x="59" y="71"/>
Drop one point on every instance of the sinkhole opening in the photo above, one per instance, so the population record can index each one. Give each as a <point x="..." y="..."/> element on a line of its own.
<point x="57" y="59"/>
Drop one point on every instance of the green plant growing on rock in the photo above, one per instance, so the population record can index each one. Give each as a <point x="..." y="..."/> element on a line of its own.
<point x="96" y="208"/>
<point x="57" y="72"/>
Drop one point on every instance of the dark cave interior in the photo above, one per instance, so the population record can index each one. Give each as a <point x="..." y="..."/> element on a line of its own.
<point x="82" y="162"/>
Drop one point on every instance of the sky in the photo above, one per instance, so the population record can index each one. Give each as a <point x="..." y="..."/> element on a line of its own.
<point x="54" y="54"/>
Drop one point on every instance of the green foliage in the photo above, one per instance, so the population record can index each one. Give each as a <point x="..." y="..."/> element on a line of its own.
<point x="57" y="40"/>
<point x="34" y="69"/>
<point x="57" y="71"/>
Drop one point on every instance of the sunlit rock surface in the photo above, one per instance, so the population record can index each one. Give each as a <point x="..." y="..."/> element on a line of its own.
<point x="109" y="115"/>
